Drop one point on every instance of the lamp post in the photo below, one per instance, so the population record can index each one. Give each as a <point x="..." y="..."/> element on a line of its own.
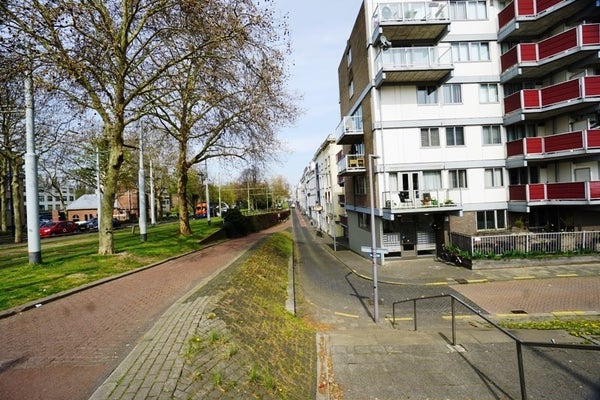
<point x="373" y="240"/>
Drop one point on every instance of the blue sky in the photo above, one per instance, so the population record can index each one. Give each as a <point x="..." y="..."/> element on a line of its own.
<point x="319" y="31"/>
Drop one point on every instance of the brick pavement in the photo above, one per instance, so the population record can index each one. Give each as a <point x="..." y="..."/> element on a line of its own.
<point x="66" y="348"/>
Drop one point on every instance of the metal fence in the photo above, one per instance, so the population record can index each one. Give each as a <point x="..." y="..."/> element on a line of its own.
<point x="546" y="242"/>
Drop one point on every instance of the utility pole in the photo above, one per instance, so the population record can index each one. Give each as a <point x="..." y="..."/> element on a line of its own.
<point x="142" y="193"/>
<point x="31" y="176"/>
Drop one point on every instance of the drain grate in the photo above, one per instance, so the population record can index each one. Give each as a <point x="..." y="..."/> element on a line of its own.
<point x="462" y="281"/>
<point x="518" y="311"/>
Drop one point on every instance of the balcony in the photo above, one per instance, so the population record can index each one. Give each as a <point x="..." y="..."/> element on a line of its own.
<point x="351" y="164"/>
<point x="423" y="200"/>
<point x="567" y="193"/>
<point x="535" y="104"/>
<point x="411" y="21"/>
<point x="423" y="65"/>
<point x="535" y="60"/>
<point x="350" y="130"/>
<point x="564" y="145"/>
<point x="531" y="18"/>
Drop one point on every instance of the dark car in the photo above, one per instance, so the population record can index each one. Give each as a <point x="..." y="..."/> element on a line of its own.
<point x="58" y="228"/>
<point x="92" y="224"/>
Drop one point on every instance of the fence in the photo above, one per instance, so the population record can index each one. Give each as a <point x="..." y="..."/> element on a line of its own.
<point x="546" y="242"/>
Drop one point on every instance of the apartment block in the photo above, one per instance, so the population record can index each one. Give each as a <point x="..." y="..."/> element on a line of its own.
<point x="469" y="116"/>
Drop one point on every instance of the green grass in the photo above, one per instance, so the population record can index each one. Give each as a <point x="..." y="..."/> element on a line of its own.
<point x="71" y="261"/>
<point x="275" y="349"/>
<point x="577" y="327"/>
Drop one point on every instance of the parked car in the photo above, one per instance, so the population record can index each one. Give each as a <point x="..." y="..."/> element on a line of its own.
<point x="92" y="224"/>
<point x="58" y="228"/>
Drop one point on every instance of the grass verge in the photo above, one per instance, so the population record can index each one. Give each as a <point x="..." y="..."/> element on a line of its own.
<point x="72" y="261"/>
<point x="583" y="328"/>
<point x="268" y="352"/>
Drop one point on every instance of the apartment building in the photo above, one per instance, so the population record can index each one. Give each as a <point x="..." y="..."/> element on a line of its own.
<point x="469" y="115"/>
<point x="318" y="193"/>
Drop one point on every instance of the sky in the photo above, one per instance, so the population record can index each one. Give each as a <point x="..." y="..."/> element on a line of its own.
<point x="319" y="32"/>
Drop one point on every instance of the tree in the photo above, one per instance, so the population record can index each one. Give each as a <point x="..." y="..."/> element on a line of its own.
<point x="280" y="189"/>
<point x="229" y="99"/>
<point x="103" y="56"/>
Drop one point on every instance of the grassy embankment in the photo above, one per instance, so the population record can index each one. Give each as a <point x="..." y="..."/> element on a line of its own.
<point x="256" y="348"/>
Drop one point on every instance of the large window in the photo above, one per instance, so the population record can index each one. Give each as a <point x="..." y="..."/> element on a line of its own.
<point x="470" y="51"/>
<point x="492" y="135"/>
<point x="468" y="9"/>
<point x="457" y="178"/>
<point x="494" y="177"/>
<point x="427" y="95"/>
<point x="488" y="93"/>
<point x="491" y="219"/>
<point x="364" y="220"/>
<point x="430" y="137"/>
<point x="455" y="136"/>
<point x="452" y="94"/>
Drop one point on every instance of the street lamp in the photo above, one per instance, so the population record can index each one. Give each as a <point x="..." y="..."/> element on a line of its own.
<point x="373" y="240"/>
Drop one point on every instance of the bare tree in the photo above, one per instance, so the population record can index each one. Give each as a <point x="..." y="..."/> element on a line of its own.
<point x="102" y="55"/>
<point x="229" y="100"/>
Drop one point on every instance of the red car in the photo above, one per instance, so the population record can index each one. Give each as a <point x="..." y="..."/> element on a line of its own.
<point x="58" y="228"/>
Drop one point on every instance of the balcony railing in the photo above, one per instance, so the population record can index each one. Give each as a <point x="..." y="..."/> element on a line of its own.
<point x="521" y="17"/>
<point x="572" y="43"/>
<point x="403" y="17"/>
<point x="556" y="192"/>
<point x="562" y="94"/>
<point x="351" y="163"/>
<point x="422" y="199"/>
<point x="350" y="130"/>
<point x="568" y="143"/>
<point x="418" y="64"/>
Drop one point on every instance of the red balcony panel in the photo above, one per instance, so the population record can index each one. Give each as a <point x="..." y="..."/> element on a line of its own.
<point x="593" y="138"/>
<point x="532" y="98"/>
<point x="591" y="85"/>
<point x="566" y="191"/>
<point x="558" y="43"/>
<point x="517" y="193"/>
<point x="545" y="4"/>
<point x="510" y="58"/>
<point x="567" y="141"/>
<point x="512" y="102"/>
<point x="590" y="34"/>
<point x="525" y="7"/>
<point x="528" y="51"/>
<point x="515" y="148"/>
<point x="506" y="15"/>
<point x="594" y="190"/>
<point x="561" y="92"/>
<point x="536" y="191"/>
<point x="534" y="145"/>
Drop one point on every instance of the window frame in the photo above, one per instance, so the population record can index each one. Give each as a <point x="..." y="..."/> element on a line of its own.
<point x="496" y="173"/>
<point x="485" y="90"/>
<point x="426" y="96"/>
<point x="452" y="93"/>
<point x="487" y="132"/>
<point x="490" y="225"/>
<point x="457" y="179"/>
<point x="453" y="131"/>
<point x="430" y="143"/>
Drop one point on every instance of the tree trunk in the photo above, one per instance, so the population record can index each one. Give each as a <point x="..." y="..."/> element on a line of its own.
<point x="106" y="243"/>
<point x="182" y="180"/>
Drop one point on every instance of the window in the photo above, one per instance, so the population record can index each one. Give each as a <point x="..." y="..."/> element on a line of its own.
<point x="364" y="220"/>
<point x="430" y="137"/>
<point x="457" y="178"/>
<point x="432" y="179"/>
<point x="470" y="51"/>
<point x="488" y="93"/>
<point x="491" y="219"/>
<point x="494" y="177"/>
<point x="520" y="131"/>
<point x="360" y="185"/>
<point x="427" y="95"/>
<point x="349" y="57"/>
<point x="452" y="94"/>
<point x="455" y="136"/>
<point x="351" y="88"/>
<point x="491" y="134"/>
<point x="468" y="9"/>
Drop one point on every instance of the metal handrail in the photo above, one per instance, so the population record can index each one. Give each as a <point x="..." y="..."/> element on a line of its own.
<point x="520" y="343"/>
